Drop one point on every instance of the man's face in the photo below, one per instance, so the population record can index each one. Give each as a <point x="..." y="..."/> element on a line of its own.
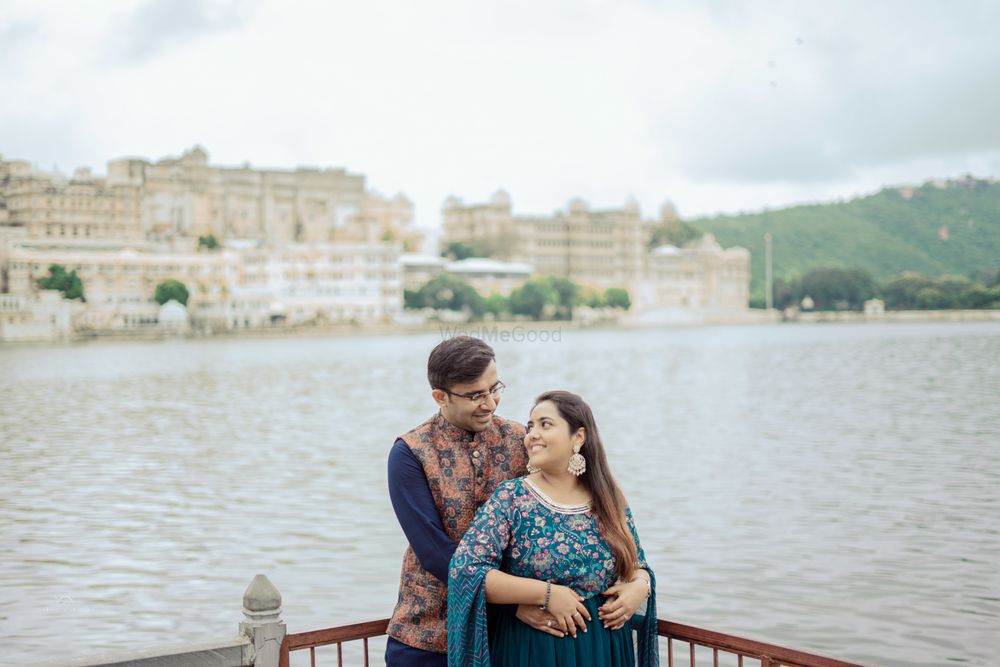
<point x="471" y="415"/>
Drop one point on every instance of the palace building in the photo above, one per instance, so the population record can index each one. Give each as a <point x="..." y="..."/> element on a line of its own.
<point x="607" y="248"/>
<point x="254" y="247"/>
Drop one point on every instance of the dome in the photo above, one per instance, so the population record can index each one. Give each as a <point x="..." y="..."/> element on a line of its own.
<point x="500" y="199"/>
<point x="173" y="315"/>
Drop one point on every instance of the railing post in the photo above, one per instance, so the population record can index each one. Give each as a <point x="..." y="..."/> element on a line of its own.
<point x="263" y="624"/>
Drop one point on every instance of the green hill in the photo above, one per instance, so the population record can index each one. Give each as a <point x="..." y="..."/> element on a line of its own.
<point x="951" y="228"/>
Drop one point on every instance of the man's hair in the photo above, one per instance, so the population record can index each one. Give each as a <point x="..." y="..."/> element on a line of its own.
<point x="458" y="360"/>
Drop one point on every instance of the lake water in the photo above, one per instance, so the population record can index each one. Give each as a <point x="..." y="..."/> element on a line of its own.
<point x="834" y="488"/>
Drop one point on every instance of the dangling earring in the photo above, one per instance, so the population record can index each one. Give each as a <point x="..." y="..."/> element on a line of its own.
<point x="577" y="464"/>
<point x="532" y="469"/>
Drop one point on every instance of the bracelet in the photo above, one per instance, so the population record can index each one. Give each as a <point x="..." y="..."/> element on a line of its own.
<point x="548" y="595"/>
<point x="649" y="584"/>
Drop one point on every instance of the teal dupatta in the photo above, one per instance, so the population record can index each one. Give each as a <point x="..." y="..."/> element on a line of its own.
<point x="521" y="531"/>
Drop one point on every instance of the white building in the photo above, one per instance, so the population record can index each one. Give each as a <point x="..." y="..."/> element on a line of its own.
<point x="597" y="248"/>
<point x="419" y="269"/>
<point x="320" y="283"/>
<point x="297" y="246"/>
<point x="486" y="275"/>
<point x="44" y="315"/>
<point x="489" y="276"/>
<point x="699" y="282"/>
<point x="230" y="288"/>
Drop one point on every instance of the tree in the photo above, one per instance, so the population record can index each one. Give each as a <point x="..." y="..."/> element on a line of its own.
<point x="566" y="291"/>
<point x="838" y="289"/>
<point x="411" y="299"/>
<point x="503" y="246"/>
<point x="616" y="297"/>
<point x="955" y="289"/>
<point x="68" y="283"/>
<point x="787" y="292"/>
<point x="446" y="292"/>
<point x="532" y="297"/>
<point x="497" y="304"/>
<point x="931" y="298"/>
<point x="208" y="242"/>
<point x="458" y="250"/>
<point x="171" y="290"/>
<point x="981" y="296"/>
<point x="673" y="232"/>
<point x="588" y="296"/>
<point x="915" y="291"/>
<point x="901" y="293"/>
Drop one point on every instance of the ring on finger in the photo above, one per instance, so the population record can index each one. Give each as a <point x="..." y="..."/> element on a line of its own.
<point x="549" y="623"/>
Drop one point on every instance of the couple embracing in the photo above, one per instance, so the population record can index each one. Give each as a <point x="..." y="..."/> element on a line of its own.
<point x="522" y="549"/>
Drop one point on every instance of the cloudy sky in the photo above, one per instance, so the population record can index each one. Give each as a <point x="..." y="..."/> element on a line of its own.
<point x="717" y="106"/>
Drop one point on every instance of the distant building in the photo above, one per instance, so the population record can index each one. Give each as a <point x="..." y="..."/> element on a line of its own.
<point x="602" y="249"/>
<point x="173" y="316"/>
<point x="486" y="275"/>
<point x="703" y="277"/>
<point x="489" y="276"/>
<point x="298" y="246"/>
<point x="418" y="270"/>
<point x="319" y="283"/>
<point x="874" y="308"/>
<point x="173" y="201"/>
<point x="325" y="283"/>
<point x="83" y="209"/>
<point x="119" y="285"/>
<point x="44" y="315"/>
<point x="590" y="247"/>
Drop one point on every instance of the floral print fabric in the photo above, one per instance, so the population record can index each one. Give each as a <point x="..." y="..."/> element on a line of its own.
<point x="523" y="533"/>
<point x="462" y="470"/>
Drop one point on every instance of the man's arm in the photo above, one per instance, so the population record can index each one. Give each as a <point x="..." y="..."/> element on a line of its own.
<point x="418" y="516"/>
<point x="416" y="512"/>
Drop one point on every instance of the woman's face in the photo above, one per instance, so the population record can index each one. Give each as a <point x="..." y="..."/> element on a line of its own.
<point x="548" y="440"/>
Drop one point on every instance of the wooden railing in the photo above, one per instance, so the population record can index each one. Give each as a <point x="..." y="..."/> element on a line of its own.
<point x="263" y="642"/>
<point x="330" y="636"/>
<point x="753" y="651"/>
<point x="737" y="651"/>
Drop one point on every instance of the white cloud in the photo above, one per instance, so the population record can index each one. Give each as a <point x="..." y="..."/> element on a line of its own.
<point x="716" y="106"/>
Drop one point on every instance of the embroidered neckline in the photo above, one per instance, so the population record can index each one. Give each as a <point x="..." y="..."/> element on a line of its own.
<point x="551" y="504"/>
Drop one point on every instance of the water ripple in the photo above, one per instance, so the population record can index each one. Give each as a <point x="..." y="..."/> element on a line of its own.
<point x="831" y="488"/>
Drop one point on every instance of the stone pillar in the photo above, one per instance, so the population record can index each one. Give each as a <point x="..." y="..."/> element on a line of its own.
<point x="263" y="624"/>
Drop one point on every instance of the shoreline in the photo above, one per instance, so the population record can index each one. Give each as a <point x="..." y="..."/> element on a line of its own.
<point x="897" y="316"/>
<point x="524" y="330"/>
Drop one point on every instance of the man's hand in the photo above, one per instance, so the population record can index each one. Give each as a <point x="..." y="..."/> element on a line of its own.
<point x="623" y="601"/>
<point x="539" y="619"/>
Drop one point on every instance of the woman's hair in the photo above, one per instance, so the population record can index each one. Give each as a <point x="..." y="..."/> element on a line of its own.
<point x="607" y="500"/>
<point x="458" y="360"/>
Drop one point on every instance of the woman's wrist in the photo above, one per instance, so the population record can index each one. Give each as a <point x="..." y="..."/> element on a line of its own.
<point x="644" y="578"/>
<point x="544" y="606"/>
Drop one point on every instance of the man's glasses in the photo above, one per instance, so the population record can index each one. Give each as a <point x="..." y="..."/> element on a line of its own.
<point x="480" y="396"/>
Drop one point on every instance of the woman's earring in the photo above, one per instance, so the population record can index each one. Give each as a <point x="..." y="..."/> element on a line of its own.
<point x="532" y="469"/>
<point x="577" y="464"/>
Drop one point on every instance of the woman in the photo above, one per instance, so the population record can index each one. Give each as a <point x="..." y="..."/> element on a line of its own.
<point x="561" y="538"/>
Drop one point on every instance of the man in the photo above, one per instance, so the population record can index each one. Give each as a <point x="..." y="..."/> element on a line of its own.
<point x="440" y="473"/>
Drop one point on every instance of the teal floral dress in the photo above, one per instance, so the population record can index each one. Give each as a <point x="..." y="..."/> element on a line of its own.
<point x="522" y="532"/>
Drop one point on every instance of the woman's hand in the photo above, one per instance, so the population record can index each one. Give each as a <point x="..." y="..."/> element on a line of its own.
<point x="567" y="610"/>
<point x="624" y="600"/>
<point x="539" y="619"/>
